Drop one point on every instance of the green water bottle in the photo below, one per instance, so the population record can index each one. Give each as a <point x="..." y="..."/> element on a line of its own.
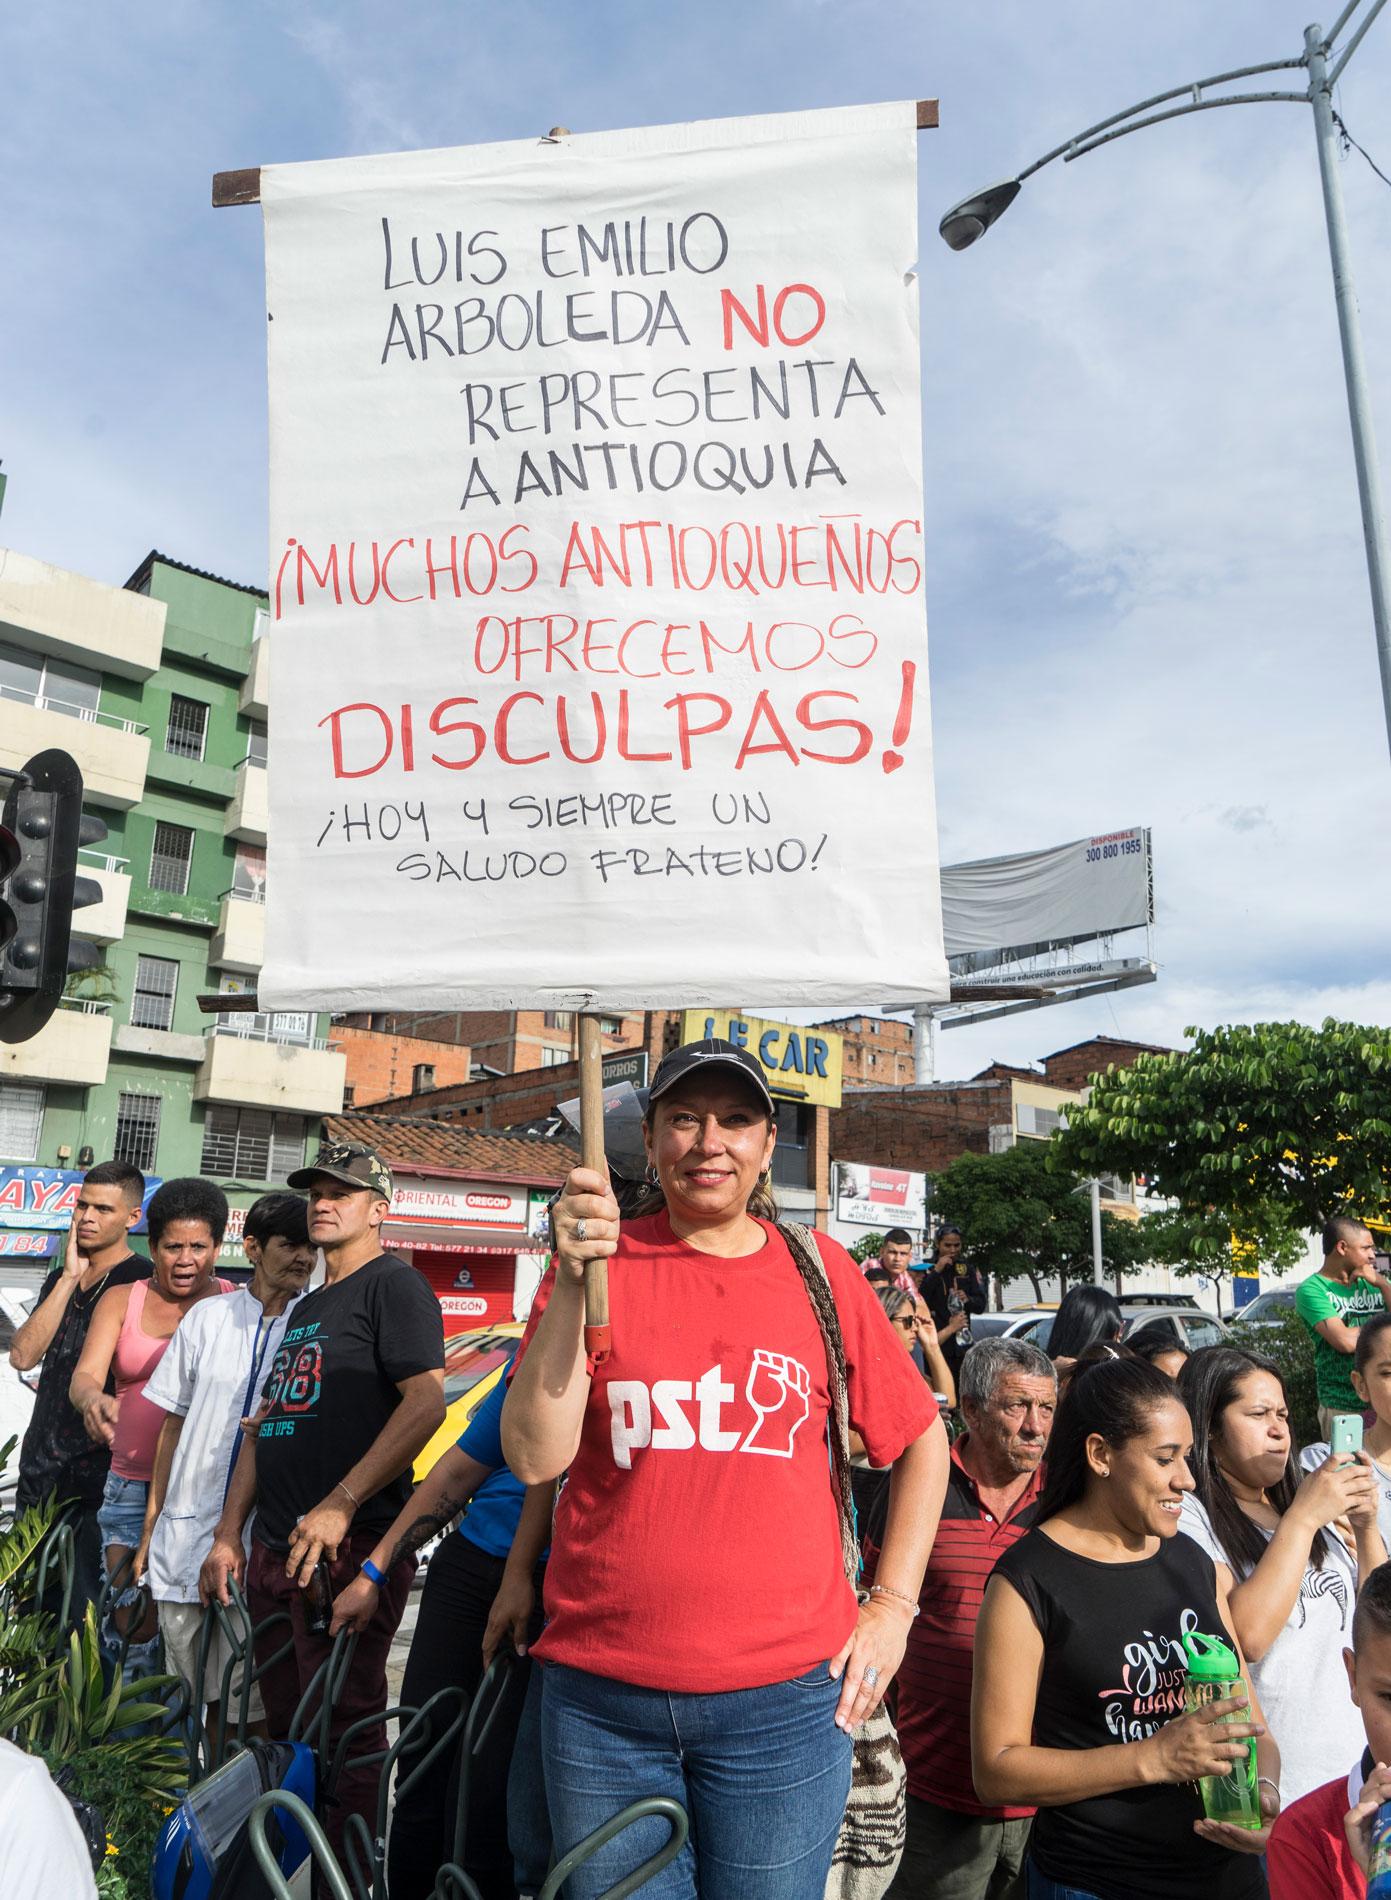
<point x="1214" y="1674"/>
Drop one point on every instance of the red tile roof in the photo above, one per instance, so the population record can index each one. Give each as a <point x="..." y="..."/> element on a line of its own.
<point x="413" y="1144"/>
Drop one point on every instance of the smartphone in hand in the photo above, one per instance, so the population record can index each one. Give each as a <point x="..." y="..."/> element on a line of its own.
<point x="1345" y="1437"/>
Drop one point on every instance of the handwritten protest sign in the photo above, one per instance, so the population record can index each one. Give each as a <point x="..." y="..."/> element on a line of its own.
<point x="598" y="666"/>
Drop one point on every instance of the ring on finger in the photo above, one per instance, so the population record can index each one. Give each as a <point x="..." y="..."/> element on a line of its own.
<point x="871" y="1675"/>
<point x="581" y="1231"/>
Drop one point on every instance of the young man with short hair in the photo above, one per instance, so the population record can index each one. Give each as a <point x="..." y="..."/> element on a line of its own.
<point x="355" y="1392"/>
<point x="1333" y="1303"/>
<point x="57" y="1455"/>
<point x="1321" y="1843"/>
<point x="896" y="1256"/>
<point x="211" y="1378"/>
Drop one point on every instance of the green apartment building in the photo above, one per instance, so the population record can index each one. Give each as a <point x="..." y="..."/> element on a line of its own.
<point x="158" y="690"/>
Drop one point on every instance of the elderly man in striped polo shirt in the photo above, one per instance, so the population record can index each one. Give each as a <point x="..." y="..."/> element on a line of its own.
<point x="960" y="1848"/>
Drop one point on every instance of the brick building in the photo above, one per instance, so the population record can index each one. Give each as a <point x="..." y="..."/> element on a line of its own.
<point x="382" y="1065"/>
<point x="503" y="1041"/>
<point x="927" y="1127"/>
<point x="877" y="1050"/>
<point x="1073" y="1067"/>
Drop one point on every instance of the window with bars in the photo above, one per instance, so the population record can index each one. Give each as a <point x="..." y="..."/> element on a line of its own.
<point x="251" y="1144"/>
<point x="152" y="1004"/>
<point x="171" y="859"/>
<point x="187" y="731"/>
<point x="257" y="744"/>
<point x="21" y="1120"/>
<point x="137" y="1130"/>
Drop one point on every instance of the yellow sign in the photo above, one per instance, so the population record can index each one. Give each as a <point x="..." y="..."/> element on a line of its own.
<point x="800" y="1064"/>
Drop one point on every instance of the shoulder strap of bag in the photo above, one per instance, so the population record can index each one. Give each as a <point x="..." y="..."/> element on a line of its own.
<point x="802" y="1246"/>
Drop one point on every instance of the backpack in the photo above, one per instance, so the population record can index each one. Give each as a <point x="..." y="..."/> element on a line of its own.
<point x="204" y="1849"/>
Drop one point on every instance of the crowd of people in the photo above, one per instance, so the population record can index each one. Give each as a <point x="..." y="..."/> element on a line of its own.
<point x="795" y="1499"/>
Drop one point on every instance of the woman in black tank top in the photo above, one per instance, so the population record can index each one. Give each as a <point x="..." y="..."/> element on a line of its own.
<point x="1077" y="1705"/>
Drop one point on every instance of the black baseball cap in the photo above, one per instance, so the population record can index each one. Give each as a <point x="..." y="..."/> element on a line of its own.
<point x="712" y="1053"/>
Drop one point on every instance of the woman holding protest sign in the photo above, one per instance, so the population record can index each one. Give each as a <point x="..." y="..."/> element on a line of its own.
<point x="703" y="1640"/>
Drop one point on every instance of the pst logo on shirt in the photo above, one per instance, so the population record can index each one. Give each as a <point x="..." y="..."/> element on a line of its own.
<point x="705" y="1413"/>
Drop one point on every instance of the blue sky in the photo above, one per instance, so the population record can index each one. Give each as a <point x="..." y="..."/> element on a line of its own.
<point x="1146" y="594"/>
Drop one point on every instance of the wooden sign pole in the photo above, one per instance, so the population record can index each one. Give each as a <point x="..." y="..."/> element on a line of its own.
<point x="596" y="1273"/>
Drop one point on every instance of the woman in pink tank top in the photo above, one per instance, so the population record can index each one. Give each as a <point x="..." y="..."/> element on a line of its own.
<point x="129" y="1335"/>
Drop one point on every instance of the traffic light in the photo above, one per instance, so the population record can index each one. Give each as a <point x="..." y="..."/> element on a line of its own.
<point x="42" y="830"/>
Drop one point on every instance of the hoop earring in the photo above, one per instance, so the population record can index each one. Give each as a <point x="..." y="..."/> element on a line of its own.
<point x="652" y="1178"/>
<point x="765" y="1180"/>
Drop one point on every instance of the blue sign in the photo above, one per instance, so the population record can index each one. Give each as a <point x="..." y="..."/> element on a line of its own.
<point x="15" y="1246"/>
<point x="43" y="1199"/>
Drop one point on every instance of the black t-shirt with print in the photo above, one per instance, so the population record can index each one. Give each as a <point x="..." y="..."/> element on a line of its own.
<point x="946" y="1294"/>
<point x="57" y="1455"/>
<point x="1114" y="1671"/>
<point x="332" y="1388"/>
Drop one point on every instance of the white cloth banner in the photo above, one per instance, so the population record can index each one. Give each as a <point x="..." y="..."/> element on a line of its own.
<point x="598" y="661"/>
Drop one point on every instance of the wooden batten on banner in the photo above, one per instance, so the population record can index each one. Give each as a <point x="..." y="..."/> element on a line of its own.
<point x="244" y="187"/>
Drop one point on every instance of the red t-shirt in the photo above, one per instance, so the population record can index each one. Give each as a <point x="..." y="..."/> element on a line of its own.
<point x="697" y="1546"/>
<point x="1308" y="1857"/>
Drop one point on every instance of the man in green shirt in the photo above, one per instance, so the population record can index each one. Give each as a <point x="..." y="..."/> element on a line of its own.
<point x="1333" y="1303"/>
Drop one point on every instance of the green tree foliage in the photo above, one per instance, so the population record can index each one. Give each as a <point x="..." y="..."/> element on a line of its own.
<point x="1022" y="1218"/>
<point x="1258" y="1133"/>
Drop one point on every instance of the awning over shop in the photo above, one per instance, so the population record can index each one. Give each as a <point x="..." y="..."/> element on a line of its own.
<point x="444" y="1237"/>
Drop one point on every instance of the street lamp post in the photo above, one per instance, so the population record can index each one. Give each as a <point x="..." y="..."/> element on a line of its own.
<point x="972" y="217"/>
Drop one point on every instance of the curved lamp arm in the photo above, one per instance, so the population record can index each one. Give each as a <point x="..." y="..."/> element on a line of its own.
<point x="972" y="217"/>
<point x="1195" y="88"/>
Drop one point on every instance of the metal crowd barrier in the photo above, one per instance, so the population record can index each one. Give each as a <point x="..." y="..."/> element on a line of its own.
<point x="364" y="1850"/>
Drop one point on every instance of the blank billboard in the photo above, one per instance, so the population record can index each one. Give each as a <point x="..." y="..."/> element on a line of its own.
<point x="1001" y="909"/>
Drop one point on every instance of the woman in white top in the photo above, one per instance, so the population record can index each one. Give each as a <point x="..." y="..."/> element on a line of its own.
<point x="1295" y="1552"/>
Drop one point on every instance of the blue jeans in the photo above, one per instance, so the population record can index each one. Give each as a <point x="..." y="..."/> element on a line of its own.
<point x="1042" y="1888"/>
<point x="763" y="1773"/>
<point x="528" y="1819"/>
<point x="120" y="1521"/>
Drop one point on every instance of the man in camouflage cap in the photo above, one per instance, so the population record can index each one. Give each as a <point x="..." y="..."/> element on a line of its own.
<point x="354" y="1393"/>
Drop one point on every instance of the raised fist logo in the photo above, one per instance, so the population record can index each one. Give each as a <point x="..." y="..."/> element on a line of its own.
<point x="779" y="1390"/>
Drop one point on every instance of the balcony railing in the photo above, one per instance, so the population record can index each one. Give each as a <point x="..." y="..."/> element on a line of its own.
<point x="261" y="1028"/>
<point x="103" y="860"/>
<point x="86" y="1004"/>
<point x="45" y="702"/>
<point x="257" y="895"/>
